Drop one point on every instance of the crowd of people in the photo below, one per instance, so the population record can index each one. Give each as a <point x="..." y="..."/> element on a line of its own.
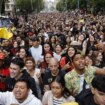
<point x="54" y="59"/>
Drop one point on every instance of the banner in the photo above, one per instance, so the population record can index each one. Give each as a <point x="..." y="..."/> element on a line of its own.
<point x="5" y="34"/>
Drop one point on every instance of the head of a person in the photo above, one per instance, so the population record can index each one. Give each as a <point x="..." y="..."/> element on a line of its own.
<point x="91" y="38"/>
<point x="23" y="52"/>
<point x="97" y="56"/>
<point x="16" y="66"/>
<point x="68" y="39"/>
<point x="15" y="44"/>
<point x="21" y="89"/>
<point x="18" y="39"/>
<point x="88" y="60"/>
<point x="47" y="57"/>
<point x="58" y="48"/>
<point x="81" y="37"/>
<point x="5" y="42"/>
<point x="6" y="51"/>
<point x="79" y="62"/>
<point x="57" y="86"/>
<point x="46" y="48"/>
<point x="2" y="57"/>
<point x="52" y="39"/>
<point x="98" y="89"/>
<point x="35" y="41"/>
<point x="30" y="63"/>
<point x="53" y="66"/>
<point x="71" y="51"/>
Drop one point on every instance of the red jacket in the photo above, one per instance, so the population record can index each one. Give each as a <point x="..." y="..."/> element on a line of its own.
<point x="3" y="74"/>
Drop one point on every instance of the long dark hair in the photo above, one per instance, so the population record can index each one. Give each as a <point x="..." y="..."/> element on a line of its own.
<point x="51" y="48"/>
<point x="60" y="79"/>
<point x="69" y="59"/>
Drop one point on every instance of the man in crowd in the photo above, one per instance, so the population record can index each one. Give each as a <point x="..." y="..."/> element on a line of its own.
<point x="36" y="50"/>
<point x="17" y="72"/>
<point x="21" y="95"/>
<point x="50" y="76"/>
<point x="80" y="78"/>
<point x="97" y="94"/>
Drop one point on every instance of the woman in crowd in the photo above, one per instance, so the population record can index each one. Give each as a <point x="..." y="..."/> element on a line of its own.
<point x="14" y="49"/>
<point x="97" y="57"/>
<point x="58" y="93"/>
<point x="44" y="65"/>
<point x="52" y="40"/>
<point x="47" y="48"/>
<point x="58" y="51"/>
<point x="35" y="73"/>
<point x="23" y="53"/>
<point x="66" y="61"/>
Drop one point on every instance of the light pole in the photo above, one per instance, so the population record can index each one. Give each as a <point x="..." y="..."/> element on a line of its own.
<point x="31" y="5"/>
<point x="78" y="4"/>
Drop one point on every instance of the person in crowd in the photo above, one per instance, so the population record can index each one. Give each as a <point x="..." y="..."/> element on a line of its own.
<point x="4" y="72"/>
<point x="97" y="57"/>
<point x="23" y="53"/>
<point x="88" y="60"/>
<point x="66" y="61"/>
<point x="17" y="72"/>
<point x="20" y="40"/>
<point x="47" y="48"/>
<point x="90" y="44"/>
<point x="58" y="51"/>
<point x="44" y="65"/>
<point x="80" y="78"/>
<point x="34" y="73"/>
<point x="21" y="95"/>
<point x="50" y="76"/>
<point x="52" y="40"/>
<point x="96" y="95"/>
<point x="6" y="44"/>
<point x="68" y="41"/>
<point x="15" y="48"/>
<point x="58" y="93"/>
<point x="36" y="50"/>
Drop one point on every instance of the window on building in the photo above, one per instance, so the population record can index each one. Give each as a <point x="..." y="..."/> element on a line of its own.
<point x="7" y="6"/>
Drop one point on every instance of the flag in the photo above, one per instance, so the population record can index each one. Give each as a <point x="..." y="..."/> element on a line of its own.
<point x="5" y="34"/>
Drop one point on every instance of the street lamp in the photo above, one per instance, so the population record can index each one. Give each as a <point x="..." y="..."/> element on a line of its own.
<point x="31" y="5"/>
<point x="78" y="4"/>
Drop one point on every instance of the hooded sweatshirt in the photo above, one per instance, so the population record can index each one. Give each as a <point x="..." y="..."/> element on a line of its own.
<point x="8" y="98"/>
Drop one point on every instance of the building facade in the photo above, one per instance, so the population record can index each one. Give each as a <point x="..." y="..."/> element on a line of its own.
<point x="10" y="6"/>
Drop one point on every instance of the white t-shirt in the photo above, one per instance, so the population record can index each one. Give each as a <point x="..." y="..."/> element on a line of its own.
<point x="82" y="82"/>
<point x="37" y="71"/>
<point x="37" y="53"/>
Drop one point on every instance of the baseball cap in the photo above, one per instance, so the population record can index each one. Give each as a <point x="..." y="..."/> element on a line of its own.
<point x="2" y="55"/>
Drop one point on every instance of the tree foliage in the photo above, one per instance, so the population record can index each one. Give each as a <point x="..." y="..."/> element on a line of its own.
<point x="30" y="5"/>
<point x="96" y="5"/>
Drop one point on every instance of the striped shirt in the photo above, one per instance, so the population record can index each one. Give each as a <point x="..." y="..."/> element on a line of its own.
<point x="57" y="101"/>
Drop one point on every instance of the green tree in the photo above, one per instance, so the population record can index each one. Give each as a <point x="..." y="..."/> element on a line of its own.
<point x="95" y="5"/>
<point x="59" y="6"/>
<point x="30" y="5"/>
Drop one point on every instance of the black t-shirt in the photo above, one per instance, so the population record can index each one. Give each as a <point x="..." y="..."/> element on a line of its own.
<point x="87" y="100"/>
<point x="49" y="78"/>
<point x="10" y="82"/>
